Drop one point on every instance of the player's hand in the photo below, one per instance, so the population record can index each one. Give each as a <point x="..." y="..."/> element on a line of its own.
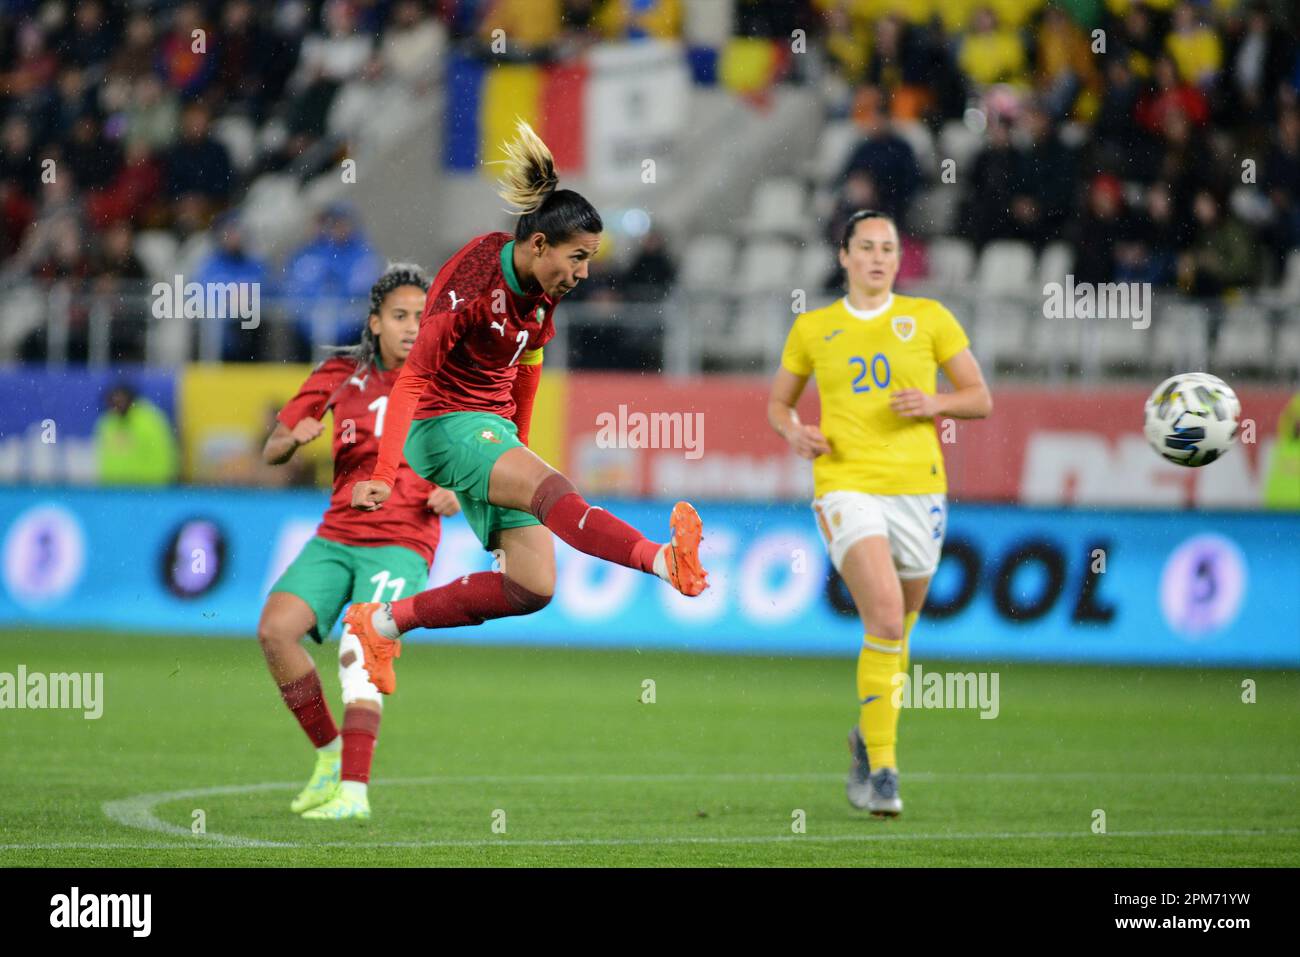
<point x="306" y="430"/>
<point x="443" y="502"/>
<point x="914" y="404"/>
<point x="807" y="441"/>
<point x="369" y="495"/>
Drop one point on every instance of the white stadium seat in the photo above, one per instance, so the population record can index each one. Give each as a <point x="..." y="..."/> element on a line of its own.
<point x="766" y="264"/>
<point x="834" y="146"/>
<point x="951" y="261"/>
<point x="1286" y="357"/>
<point x="780" y="207"/>
<point x="1180" y="340"/>
<point x="1245" y="340"/>
<point x="708" y="262"/>
<point x="1007" y="266"/>
<point x="1055" y="263"/>
<point x="156" y="250"/>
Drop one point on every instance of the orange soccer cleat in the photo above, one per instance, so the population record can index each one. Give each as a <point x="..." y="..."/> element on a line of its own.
<point x="682" y="554"/>
<point x="377" y="652"/>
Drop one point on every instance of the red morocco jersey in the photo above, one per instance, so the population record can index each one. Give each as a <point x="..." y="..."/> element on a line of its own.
<point x="478" y="326"/>
<point x="359" y="401"/>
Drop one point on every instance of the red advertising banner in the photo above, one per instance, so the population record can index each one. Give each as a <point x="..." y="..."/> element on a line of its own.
<point x="708" y="437"/>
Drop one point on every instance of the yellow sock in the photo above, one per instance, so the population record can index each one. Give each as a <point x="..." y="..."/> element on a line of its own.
<point x="908" y="621"/>
<point x="878" y="719"/>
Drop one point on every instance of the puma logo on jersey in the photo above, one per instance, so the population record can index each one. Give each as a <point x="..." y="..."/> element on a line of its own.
<point x="499" y="328"/>
<point x="455" y="300"/>
<point x="359" y="382"/>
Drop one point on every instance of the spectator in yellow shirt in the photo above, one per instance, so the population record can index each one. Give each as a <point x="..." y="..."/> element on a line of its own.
<point x="528" y="24"/>
<point x="990" y="54"/>
<point x="1195" y="47"/>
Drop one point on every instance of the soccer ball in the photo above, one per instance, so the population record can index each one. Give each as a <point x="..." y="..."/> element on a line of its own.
<point x="1191" y="418"/>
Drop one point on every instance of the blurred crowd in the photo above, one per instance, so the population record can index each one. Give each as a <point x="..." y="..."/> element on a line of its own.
<point x="1160" y="138"/>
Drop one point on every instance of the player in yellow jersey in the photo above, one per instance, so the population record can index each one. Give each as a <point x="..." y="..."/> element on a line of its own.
<point x="877" y="467"/>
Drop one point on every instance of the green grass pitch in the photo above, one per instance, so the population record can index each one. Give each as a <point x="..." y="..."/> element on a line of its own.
<point x="557" y="745"/>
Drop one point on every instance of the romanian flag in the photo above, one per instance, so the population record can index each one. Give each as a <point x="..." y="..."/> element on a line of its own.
<point x="484" y="100"/>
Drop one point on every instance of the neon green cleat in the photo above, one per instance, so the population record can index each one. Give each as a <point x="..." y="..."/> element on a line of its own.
<point x="341" y="805"/>
<point x="322" y="784"/>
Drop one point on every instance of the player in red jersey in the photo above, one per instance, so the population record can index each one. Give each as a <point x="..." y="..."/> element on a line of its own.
<point x="469" y="385"/>
<point x="353" y="556"/>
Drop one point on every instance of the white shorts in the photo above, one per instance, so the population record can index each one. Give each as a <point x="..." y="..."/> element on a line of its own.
<point x="914" y="525"/>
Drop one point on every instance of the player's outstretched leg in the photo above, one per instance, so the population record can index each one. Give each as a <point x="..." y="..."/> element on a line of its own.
<point x="286" y="618"/>
<point x="520" y="480"/>
<point x="362" y="711"/>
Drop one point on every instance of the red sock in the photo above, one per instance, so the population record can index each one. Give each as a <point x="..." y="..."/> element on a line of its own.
<point x="589" y="528"/>
<point x="360" y="729"/>
<point x="470" y="600"/>
<point x="305" y="700"/>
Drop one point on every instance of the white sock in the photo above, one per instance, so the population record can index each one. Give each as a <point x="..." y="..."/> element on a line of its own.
<point x="661" y="562"/>
<point x="354" y="789"/>
<point x="335" y="745"/>
<point x="383" y="621"/>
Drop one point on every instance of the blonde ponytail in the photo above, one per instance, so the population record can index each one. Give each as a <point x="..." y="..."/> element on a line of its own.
<point x="529" y="175"/>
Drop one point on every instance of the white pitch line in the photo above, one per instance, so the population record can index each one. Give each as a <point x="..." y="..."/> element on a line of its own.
<point x="138" y="811"/>
<point x="662" y="841"/>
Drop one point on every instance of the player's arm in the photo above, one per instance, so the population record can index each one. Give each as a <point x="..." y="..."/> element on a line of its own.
<point x="299" y="422"/>
<point x="438" y="334"/>
<point x="969" y="399"/>
<point x="528" y="376"/>
<point x="807" y="440"/>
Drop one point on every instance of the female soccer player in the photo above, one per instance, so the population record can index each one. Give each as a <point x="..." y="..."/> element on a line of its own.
<point x="877" y="467"/>
<point x="350" y="558"/>
<point x="470" y="383"/>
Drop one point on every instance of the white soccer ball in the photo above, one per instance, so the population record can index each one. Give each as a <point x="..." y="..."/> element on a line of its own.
<point x="1191" y="418"/>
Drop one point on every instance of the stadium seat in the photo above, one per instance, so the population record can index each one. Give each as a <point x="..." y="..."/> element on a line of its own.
<point x="1286" y="357"/>
<point x="1000" y="335"/>
<point x="814" y="266"/>
<point x="960" y="143"/>
<point x="239" y="137"/>
<point x="1180" y="340"/>
<point x="156" y="250"/>
<point x="1057" y="343"/>
<point x="951" y="261"/>
<point x="934" y="211"/>
<point x="1055" y="263"/>
<point x="779" y="208"/>
<point x="1006" y="266"/>
<point x="766" y="264"/>
<point x="918" y="136"/>
<point x="708" y="262"/>
<point x="836" y="142"/>
<point x="1117" y="346"/>
<point x="1244" y="343"/>
<point x="1288" y="288"/>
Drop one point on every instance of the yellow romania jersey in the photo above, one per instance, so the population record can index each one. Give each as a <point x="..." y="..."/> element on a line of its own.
<point x="859" y="359"/>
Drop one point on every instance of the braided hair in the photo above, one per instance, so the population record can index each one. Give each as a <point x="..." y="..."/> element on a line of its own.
<point x="366" y="351"/>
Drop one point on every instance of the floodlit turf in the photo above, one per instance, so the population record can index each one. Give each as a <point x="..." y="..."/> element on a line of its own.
<point x="559" y="746"/>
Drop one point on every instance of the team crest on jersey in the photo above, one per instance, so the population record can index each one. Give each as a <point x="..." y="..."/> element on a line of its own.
<point x="904" y="327"/>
